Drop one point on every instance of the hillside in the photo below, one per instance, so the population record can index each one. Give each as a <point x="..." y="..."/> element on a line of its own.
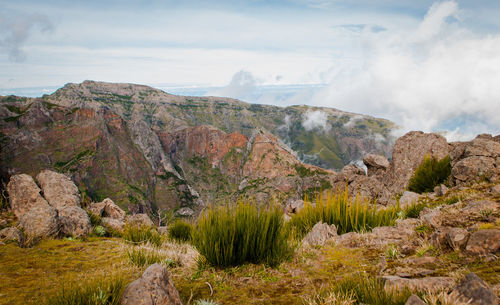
<point x="149" y="149"/>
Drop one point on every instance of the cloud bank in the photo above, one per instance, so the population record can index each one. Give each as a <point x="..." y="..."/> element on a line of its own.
<point x="316" y="119"/>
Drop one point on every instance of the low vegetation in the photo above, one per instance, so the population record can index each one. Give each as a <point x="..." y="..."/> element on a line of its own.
<point x="138" y="235"/>
<point x="180" y="231"/>
<point x="430" y="173"/>
<point x="234" y="234"/>
<point x="347" y="213"/>
<point x="145" y="257"/>
<point x="413" y="210"/>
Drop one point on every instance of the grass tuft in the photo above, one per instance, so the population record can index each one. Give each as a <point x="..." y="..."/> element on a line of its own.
<point x="145" y="257"/>
<point x="430" y="173"/>
<point x="347" y="213"/>
<point x="139" y="235"/>
<point x="231" y="235"/>
<point x="180" y="231"/>
<point x="413" y="210"/>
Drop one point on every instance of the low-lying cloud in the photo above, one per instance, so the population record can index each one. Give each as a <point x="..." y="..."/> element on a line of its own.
<point x="316" y="119"/>
<point x="15" y="31"/>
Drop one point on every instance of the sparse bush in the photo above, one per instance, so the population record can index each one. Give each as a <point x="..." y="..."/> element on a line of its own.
<point x="424" y="229"/>
<point x="347" y="213"/>
<point x="145" y="257"/>
<point x="234" y="234"/>
<point x="100" y="231"/>
<point x="180" y="231"/>
<point x="413" y="210"/>
<point x="430" y="173"/>
<point x="452" y="200"/>
<point x="138" y="235"/>
<point x="103" y="291"/>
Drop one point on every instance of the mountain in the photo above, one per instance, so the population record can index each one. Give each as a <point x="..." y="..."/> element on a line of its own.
<point x="148" y="149"/>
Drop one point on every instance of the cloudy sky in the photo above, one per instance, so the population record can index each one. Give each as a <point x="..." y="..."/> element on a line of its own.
<point x="433" y="66"/>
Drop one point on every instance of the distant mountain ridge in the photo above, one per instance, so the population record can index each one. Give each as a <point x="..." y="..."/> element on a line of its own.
<point x="148" y="148"/>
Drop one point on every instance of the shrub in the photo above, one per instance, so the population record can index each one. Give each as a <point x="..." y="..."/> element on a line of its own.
<point x="347" y="213"/>
<point x="100" y="231"/>
<point x="103" y="291"/>
<point x="138" y="235"/>
<point x="430" y="173"/>
<point x="413" y="210"/>
<point x="234" y="234"/>
<point x="180" y="231"/>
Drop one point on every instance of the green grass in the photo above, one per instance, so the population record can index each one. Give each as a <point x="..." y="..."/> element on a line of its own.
<point x="102" y="291"/>
<point x="430" y="173"/>
<point x="144" y="257"/>
<point x="413" y="210"/>
<point x="231" y="235"/>
<point x="347" y="213"/>
<point x="180" y="231"/>
<point x="139" y="235"/>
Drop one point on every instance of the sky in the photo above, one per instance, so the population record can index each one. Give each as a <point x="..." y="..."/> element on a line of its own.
<point x="426" y="65"/>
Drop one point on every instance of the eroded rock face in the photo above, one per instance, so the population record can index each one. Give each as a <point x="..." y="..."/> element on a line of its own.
<point x="154" y="287"/>
<point x="58" y="189"/>
<point x="74" y="221"/>
<point x="40" y="221"/>
<point x="320" y="234"/>
<point x="484" y="242"/>
<point x="473" y="290"/>
<point x="409" y="151"/>
<point x="376" y="164"/>
<point x="24" y="194"/>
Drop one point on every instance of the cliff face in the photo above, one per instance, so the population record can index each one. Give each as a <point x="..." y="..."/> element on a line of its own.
<point x="146" y="148"/>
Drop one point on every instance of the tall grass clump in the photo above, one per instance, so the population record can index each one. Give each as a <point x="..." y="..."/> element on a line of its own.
<point x="413" y="210"/>
<point x="103" y="291"/>
<point x="145" y="257"/>
<point x="231" y="235"/>
<point x="180" y="231"/>
<point x="348" y="214"/>
<point x="143" y="234"/>
<point x="430" y="173"/>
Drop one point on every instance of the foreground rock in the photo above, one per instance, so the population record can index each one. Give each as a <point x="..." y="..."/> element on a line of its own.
<point x="431" y="284"/>
<point x="484" y="242"/>
<point x="74" y="221"/>
<point x="154" y="287"/>
<point x="24" y="194"/>
<point x="58" y="189"/>
<point x="473" y="290"/>
<point x="320" y="234"/>
<point x="40" y="222"/>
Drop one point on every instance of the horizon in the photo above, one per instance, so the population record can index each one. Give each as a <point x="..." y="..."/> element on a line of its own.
<point x="430" y="66"/>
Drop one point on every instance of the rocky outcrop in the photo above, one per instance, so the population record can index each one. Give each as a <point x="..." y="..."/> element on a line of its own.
<point x="376" y="164"/>
<point x="40" y="221"/>
<point x="74" y="221"/>
<point x="58" y="189"/>
<point x="107" y="208"/>
<point x="24" y="194"/>
<point x="408" y="198"/>
<point x="473" y="290"/>
<point x="154" y="287"/>
<point x="320" y="234"/>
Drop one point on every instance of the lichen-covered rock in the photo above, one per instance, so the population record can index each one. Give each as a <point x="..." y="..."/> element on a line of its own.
<point x="24" y="194"/>
<point x="40" y="221"/>
<point x="107" y="208"/>
<point x="474" y="291"/>
<point x="414" y="300"/>
<point x="375" y="164"/>
<point x="113" y="223"/>
<point x="484" y="242"/>
<point x="320" y="234"/>
<point x="154" y="287"/>
<point x="74" y="221"/>
<point x="58" y="189"/>
<point x="139" y="220"/>
<point x="430" y="284"/>
<point x="457" y="238"/>
<point x="11" y="234"/>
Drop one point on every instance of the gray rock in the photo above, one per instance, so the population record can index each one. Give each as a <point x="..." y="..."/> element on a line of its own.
<point x="11" y="234"/>
<point x="320" y="234"/>
<point x="154" y="287"/>
<point x="40" y="222"/>
<point x="414" y="300"/>
<point x="139" y="220"/>
<point x="375" y="164"/>
<point x="74" y="221"/>
<point x="24" y="194"/>
<point x="408" y="198"/>
<point x="431" y="217"/>
<point x="431" y="284"/>
<point x="474" y="290"/>
<point x="457" y="238"/>
<point x="115" y="224"/>
<point x="58" y="189"/>
<point x="484" y="242"/>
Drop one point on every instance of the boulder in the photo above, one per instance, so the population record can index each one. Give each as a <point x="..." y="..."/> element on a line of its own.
<point x="154" y="287"/>
<point x="484" y="242"/>
<point x="320" y="234"/>
<point x="409" y="151"/>
<point x="414" y="300"/>
<point x="431" y="217"/>
<point x="58" y="189"/>
<point x="375" y="164"/>
<point x="350" y="170"/>
<point x="423" y="261"/>
<point x="11" y="234"/>
<point x="457" y="238"/>
<point x="107" y="208"/>
<point x="24" y="194"/>
<point x="113" y="223"/>
<point x="74" y="221"/>
<point x="474" y="291"/>
<point x="40" y="222"/>
<point x="139" y="220"/>
<point x="440" y="190"/>
<point x="184" y="212"/>
<point x="408" y="198"/>
<point x="439" y="238"/>
<point x="430" y="284"/>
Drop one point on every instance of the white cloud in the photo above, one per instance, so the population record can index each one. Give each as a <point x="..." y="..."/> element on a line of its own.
<point x="316" y="119"/>
<point x="242" y="86"/>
